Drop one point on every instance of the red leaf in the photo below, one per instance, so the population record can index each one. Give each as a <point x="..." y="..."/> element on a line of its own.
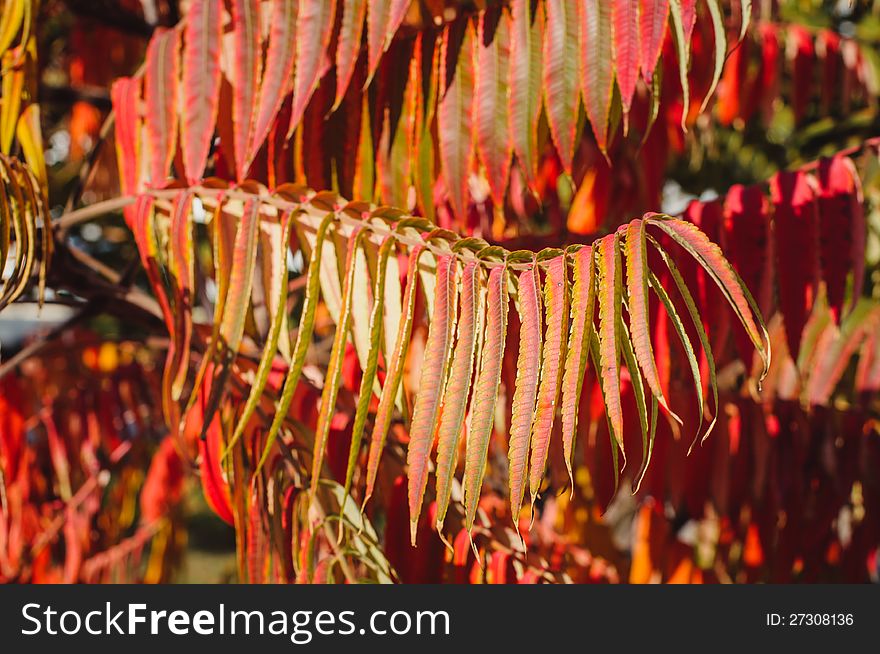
<point x="841" y="228"/>
<point x="313" y="31"/>
<point x="275" y="84"/>
<point x="454" y="113"/>
<point x="594" y="18"/>
<point x="797" y="254"/>
<point x="749" y="249"/>
<point x="201" y="84"/>
<point x="125" y="94"/>
<point x="160" y="91"/>
<point x="246" y="48"/>
<point x="653" y="20"/>
<point x="801" y="52"/>
<point x="625" y="21"/>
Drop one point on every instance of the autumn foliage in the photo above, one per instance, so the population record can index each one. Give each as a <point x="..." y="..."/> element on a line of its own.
<point x="521" y="291"/>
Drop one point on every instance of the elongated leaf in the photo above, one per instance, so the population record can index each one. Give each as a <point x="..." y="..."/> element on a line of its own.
<point x="246" y="52"/>
<point x="276" y="78"/>
<point x="525" y="395"/>
<point x="597" y="81"/>
<point x="454" y="112"/>
<point x="378" y="21"/>
<point x="638" y="390"/>
<point x="313" y="31"/>
<point x="682" y="27"/>
<point x="720" y="48"/>
<point x="182" y="270"/>
<point x="653" y="17"/>
<point x="361" y="308"/>
<point x="334" y="367"/>
<point x="556" y="301"/>
<point x="201" y="84"/>
<point x="526" y="40"/>
<point x="435" y="366"/>
<point x="348" y="46"/>
<point x="582" y="310"/>
<point x="561" y="83"/>
<point x="160" y="95"/>
<point x="394" y="372"/>
<point x="270" y="349"/>
<point x="241" y="277"/>
<point x="637" y="293"/>
<point x="423" y="146"/>
<point x="303" y="335"/>
<point x="492" y="75"/>
<point x="125" y="94"/>
<point x="396" y="14"/>
<point x="625" y="30"/>
<point x="485" y="392"/>
<point x="365" y="394"/>
<point x="455" y="396"/>
<point x="841" y="229"/>
<point x="697" y="322"/>
<point x="797" y="257"/>
<point x="710" y="257"/>
<point x="750" y="250"/>
<point x="610" y="290"/>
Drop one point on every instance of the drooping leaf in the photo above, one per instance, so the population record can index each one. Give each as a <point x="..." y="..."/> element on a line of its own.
<point x="454" y="112"/>
<point x="491" y="88"/>
<point x="201" y="84"/>
<point x="583" y="297"/>
<point x="556" y="303"/>
<point x="597" y="80"/>
<point x="334" y="367"/>
<point x="610" y="292"/>
<point x="270" y="349"/>
<point x="348" y="46"/>
<point x="394" y="372"/>
<point x="435" y="366"/>
<point x="796" y="225"/>
<point x="715" y="13"/>
<point x="697" y="322"/>
<point x="241" y="277"/>
<point x="653" y="17"/>
<point x="841" y="229"/>
<point x="748" y="228"/>
<point x="525" y="395"/>
<point x="276" y="78"/>
<point x="365" y="394"/>
<point x="561" y="84"/>
<point x="455" y="396"/>
<point x="637" y="294"/>
<point x="314" y="28"/>
<point x="485" y="391"/>
<point x="711" y="258"/>
<point x="125" y="94"/>
<point x="638" y="390"/>
<point x="303" y="335"/>
<point x="378" y="21"/>
<point x="625" y="39"/>
<point x="181" y="266"/>
<point x="526" y="39"/>
<point x="246" y="53"/>
<point x="160" y="96"/>
<point x="682" y="13"/>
